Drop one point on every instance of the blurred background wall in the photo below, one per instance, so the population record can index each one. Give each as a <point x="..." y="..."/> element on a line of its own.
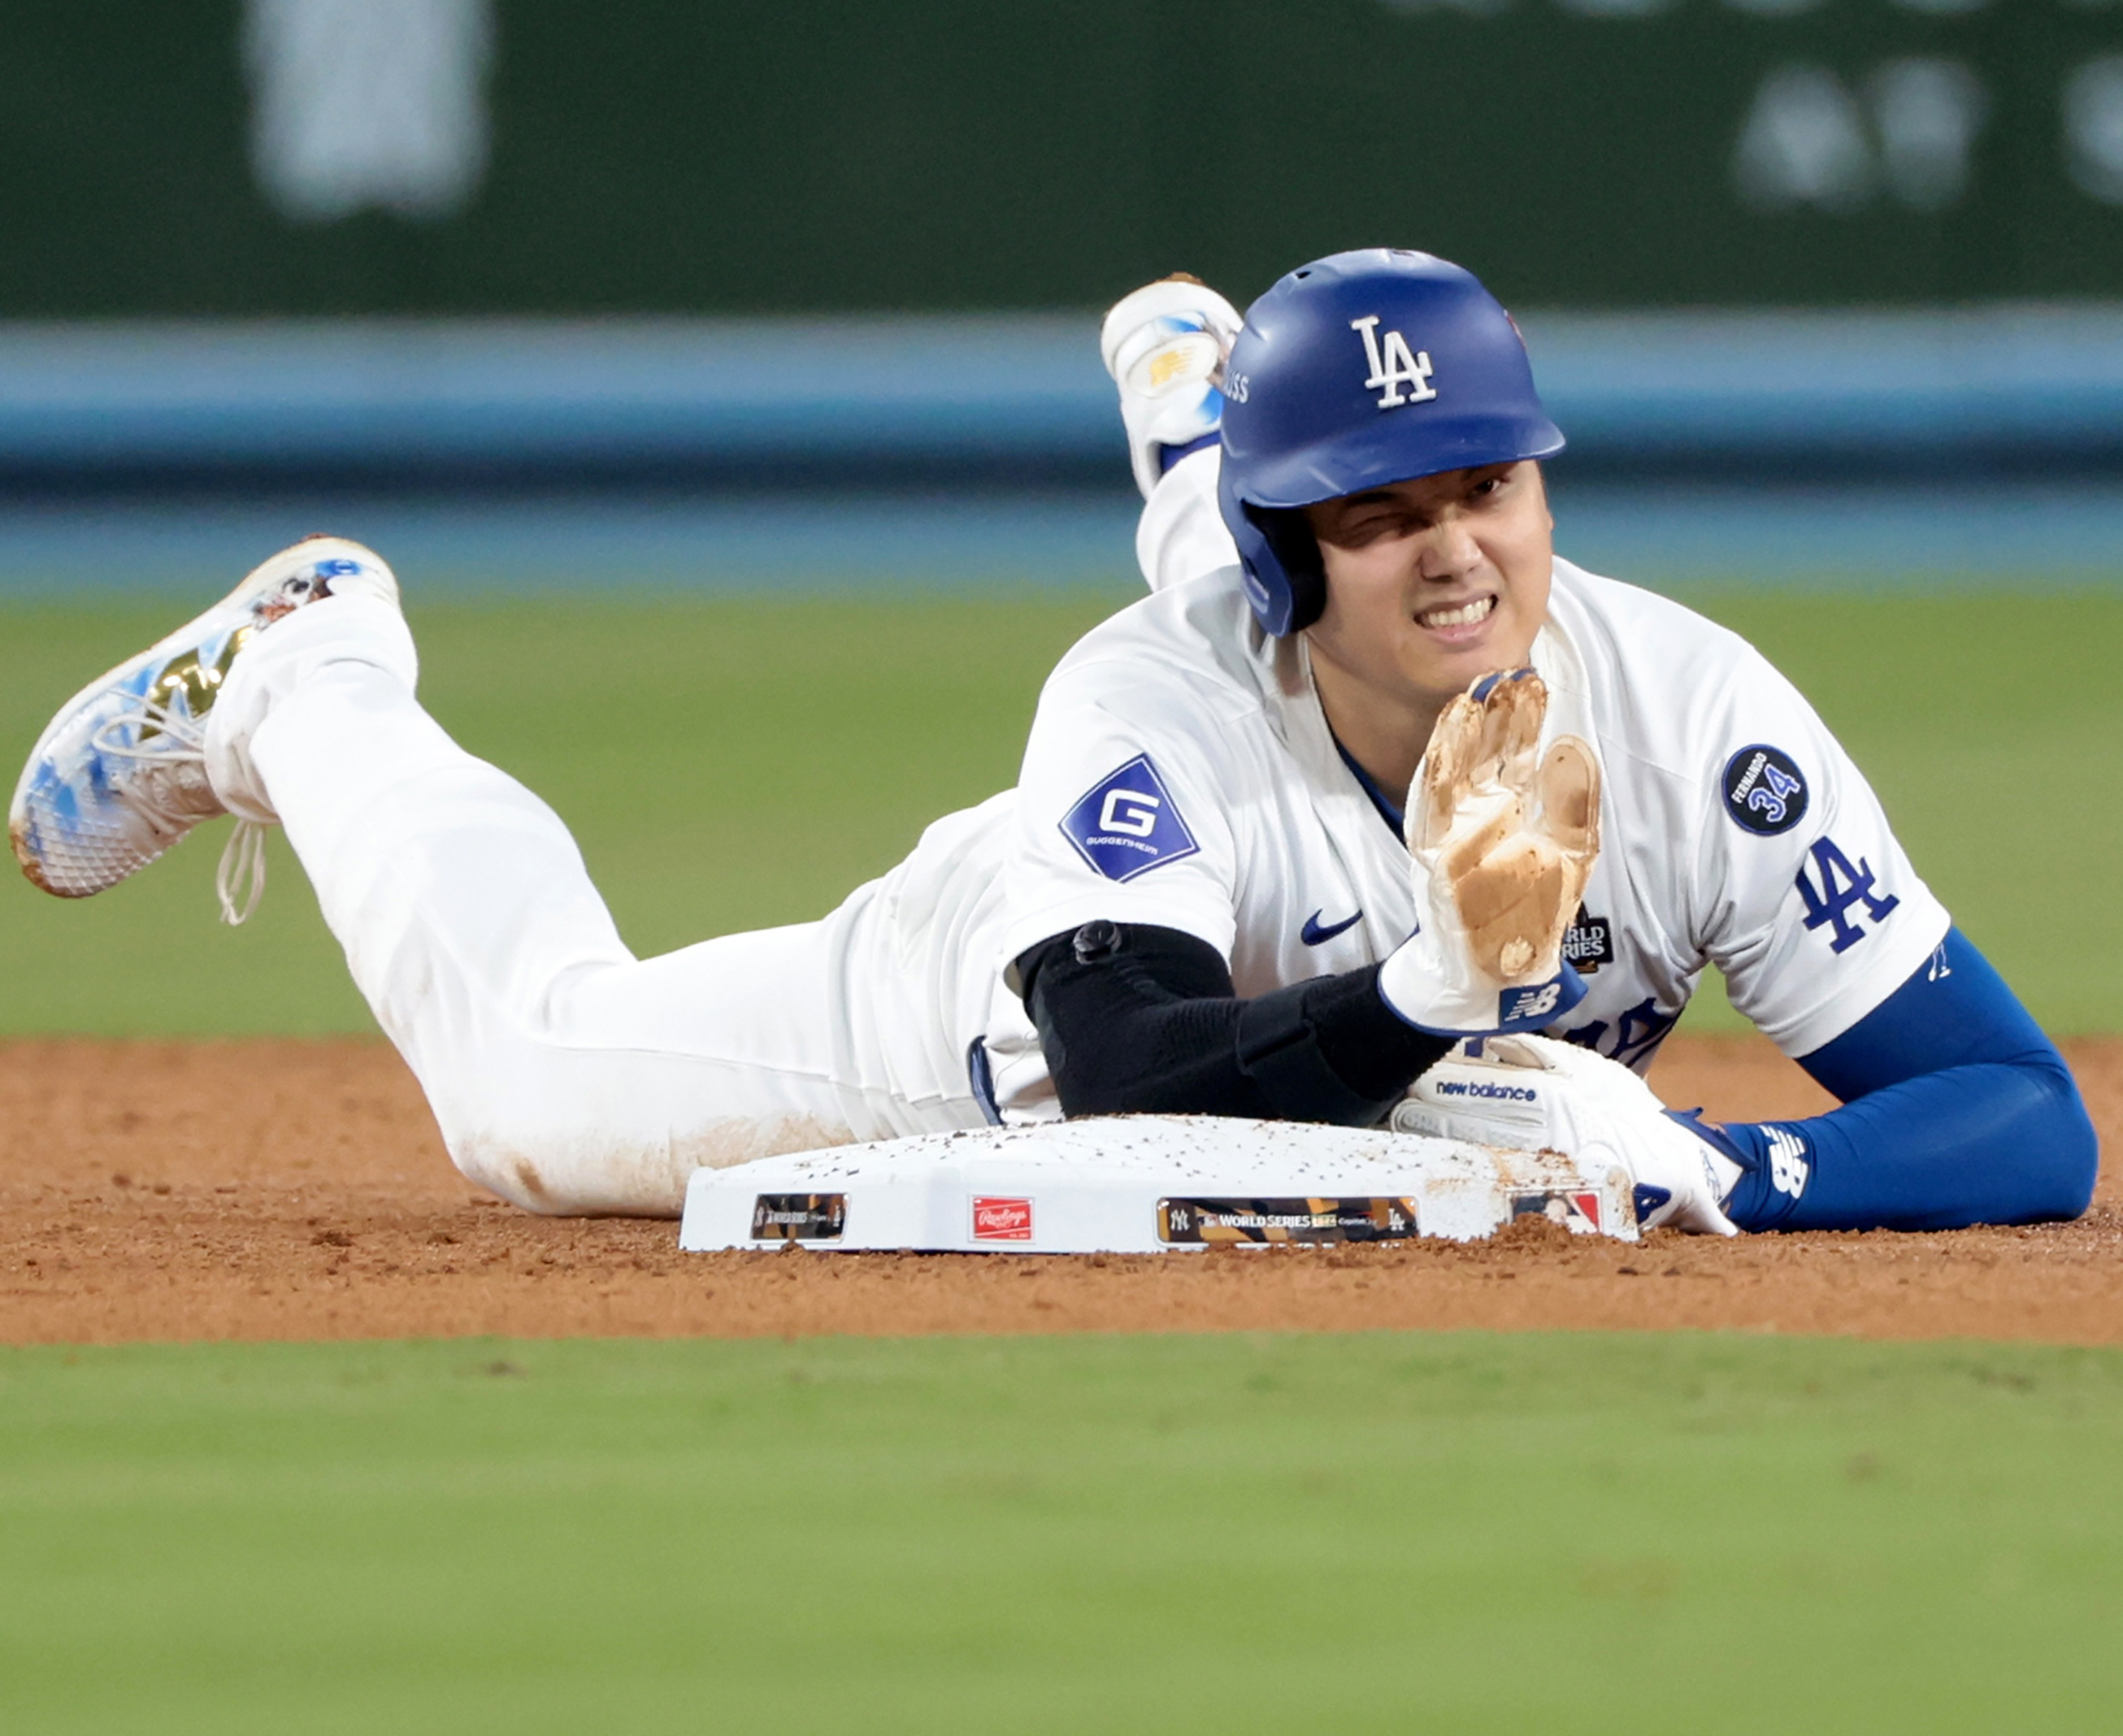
<point x="306" y="157"/>
<point x="1827" y="282"/>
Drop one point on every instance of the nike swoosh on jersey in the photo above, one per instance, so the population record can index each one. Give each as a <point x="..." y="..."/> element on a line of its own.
<point x="1313" y="935"/>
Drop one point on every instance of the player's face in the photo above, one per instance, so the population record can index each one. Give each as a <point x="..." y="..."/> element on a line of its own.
<point x="1433" y="582"/>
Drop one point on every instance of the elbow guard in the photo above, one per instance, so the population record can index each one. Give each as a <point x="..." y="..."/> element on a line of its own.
<point x="1279" y="1049"/>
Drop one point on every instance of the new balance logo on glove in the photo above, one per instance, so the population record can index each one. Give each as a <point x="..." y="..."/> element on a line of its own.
<point x="1507" y="1093"/>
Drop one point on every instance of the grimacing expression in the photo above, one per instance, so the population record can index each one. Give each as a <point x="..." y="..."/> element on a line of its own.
<point x="1434" y="582"/>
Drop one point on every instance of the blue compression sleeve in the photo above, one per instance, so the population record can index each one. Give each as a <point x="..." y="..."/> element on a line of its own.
<point x="1956" y="1110"/>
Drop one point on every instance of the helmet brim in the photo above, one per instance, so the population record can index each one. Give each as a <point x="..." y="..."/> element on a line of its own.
<point x="1338" y="467"/>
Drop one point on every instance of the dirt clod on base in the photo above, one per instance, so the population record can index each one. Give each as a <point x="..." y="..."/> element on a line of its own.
<point x="298" y="1190"/>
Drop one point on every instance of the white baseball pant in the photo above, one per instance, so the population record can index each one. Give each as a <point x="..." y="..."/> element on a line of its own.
<point x="566" y="1074"/>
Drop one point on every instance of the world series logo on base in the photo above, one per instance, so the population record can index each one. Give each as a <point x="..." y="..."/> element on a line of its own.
<point x="1301" y="1220"/>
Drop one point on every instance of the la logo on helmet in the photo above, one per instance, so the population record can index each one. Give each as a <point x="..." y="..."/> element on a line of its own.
<point x="1394" y="366"/>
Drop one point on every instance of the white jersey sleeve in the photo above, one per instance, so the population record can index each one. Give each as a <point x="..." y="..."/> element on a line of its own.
<point x="1181" y="535"/>
<point x="1119" y="815"/>
<point x="1807" y="903"/>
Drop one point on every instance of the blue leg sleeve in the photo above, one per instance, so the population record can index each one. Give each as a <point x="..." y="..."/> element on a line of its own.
<point x="1956" y="1110"/>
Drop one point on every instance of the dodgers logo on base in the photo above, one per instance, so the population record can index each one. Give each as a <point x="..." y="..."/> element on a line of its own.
<point x="1128" y="824"/>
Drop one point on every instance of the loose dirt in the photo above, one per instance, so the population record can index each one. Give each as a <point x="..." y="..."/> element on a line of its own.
<point x="298" y="1190"/>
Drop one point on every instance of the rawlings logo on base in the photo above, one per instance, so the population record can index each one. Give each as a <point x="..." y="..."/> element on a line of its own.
<point x="1155" y="1185"/>
<point x="1002" y="1220"/>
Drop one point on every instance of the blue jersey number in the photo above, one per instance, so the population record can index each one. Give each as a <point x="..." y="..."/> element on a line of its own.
<point x="1771" y="797"/>
<point x="1636" y="1035"/>
<point x="1841" y="886"/>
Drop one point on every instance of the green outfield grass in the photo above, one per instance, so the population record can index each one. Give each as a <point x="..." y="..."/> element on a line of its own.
<point x="1460" y="1533"/>
<point x="736" y="763"/>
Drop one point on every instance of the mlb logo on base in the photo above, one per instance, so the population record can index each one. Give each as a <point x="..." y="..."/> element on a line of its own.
<point x="1001" y="1220"/>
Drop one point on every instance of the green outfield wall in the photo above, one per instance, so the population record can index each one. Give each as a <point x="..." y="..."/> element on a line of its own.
<point x="527" y="155"/>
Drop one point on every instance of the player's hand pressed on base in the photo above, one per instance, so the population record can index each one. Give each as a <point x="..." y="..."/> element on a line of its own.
<point x="1535" y="1093"/>
<point x="1502" y="839"/>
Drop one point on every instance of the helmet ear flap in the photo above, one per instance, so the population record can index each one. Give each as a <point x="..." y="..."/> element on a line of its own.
<point x="1286" y="580"/>
<point x="1298" y="550"/>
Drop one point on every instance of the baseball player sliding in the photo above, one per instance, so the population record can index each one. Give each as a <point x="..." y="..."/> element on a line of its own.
<point x="1370" y="773"/>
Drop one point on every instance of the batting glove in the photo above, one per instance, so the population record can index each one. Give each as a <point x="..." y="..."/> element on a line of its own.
<point x="1502" y="844"/>
<point x="1537" y="1094"/>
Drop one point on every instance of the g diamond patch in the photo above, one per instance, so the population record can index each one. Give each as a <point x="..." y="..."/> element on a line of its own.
<point x="1128" y="824"/>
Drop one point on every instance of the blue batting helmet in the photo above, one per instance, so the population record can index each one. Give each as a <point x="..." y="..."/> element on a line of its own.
<point x="1358" y="370"/>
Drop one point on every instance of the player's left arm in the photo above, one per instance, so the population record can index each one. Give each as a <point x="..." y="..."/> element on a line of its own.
<point x="1956" y="1109"/>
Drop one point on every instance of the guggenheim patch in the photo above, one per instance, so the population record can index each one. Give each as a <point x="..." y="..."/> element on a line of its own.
<point x="1128" y="824"/>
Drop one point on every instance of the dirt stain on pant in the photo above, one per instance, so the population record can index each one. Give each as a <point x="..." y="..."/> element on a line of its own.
<point x="597" y="1175"/>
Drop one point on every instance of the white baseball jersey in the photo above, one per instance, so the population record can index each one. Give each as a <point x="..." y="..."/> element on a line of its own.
<point x="1181" y="773"/>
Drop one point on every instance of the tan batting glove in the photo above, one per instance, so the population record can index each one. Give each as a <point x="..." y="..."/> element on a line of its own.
<point x="1502" y="844"/>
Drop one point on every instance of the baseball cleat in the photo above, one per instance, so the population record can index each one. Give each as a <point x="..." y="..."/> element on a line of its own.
<point x="120" y="775"/>
<point x="1164" y="345"/>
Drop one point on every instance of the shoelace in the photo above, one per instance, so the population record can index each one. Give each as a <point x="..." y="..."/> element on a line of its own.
<point x="239" y="877"/>
<point x="241" y="869"/>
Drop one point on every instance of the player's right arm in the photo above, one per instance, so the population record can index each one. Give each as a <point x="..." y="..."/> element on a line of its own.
<point x="1956" y="1109"/>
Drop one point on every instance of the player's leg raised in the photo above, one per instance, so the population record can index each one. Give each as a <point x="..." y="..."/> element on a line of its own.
<point x="565" y="1075"/>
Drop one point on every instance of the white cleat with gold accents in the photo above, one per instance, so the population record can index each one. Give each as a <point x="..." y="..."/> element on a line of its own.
<point x="119" y="774"/>
<point x="1164" y="345"/>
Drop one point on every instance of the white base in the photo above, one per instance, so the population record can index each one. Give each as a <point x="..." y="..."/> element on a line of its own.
<point x="1128" y="1184"/>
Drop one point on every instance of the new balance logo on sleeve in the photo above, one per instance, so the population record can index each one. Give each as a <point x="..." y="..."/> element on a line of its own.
<point x="1790" y="1166"/>
<point x="1482" y="1088"/>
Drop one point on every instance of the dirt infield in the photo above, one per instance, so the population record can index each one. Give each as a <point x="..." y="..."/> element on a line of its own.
<point x="284" y="1190"/>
